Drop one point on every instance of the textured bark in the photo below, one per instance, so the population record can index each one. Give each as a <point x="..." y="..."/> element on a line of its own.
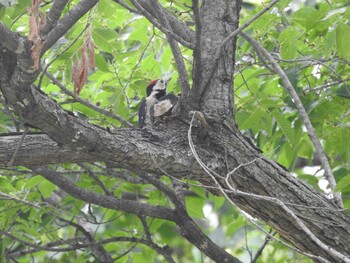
<point x="166" y="146"/>
<point x="212" y="90"/>
<point x="38" y="149"/>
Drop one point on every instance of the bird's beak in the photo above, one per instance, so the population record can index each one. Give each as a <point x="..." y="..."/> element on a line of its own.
<point x="167" y="78"/>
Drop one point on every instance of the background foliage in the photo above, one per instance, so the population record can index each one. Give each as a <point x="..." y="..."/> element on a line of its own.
<point x="309" y="39"/>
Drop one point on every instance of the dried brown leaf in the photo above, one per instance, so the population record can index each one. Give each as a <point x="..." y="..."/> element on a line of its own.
<point x="36" y="51"/>
<point x="37" y="21"/>
<point x="33" y="25"/>
<point x="91" y="55"/>
<point x="80" y="72"/>
<point x="90" y="46"/>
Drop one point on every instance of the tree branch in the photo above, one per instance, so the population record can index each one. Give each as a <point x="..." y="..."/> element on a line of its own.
<point x="120" y="2"/>
<point x="179" y="31"/>
<point x="12" y="41"/>
<point x="65" y="23"/>
<point x="97" y="249"/>
<point x="53" y="15"/>
<point x="13" y="158"/>
<point x="303" y="114"/>
<point x="102" y="200"/>
<point x="38" y="149"/>
<point x="262" y="247"/>
<point x="80" y="242"/>
<point x="231" y="192"/>
<point x="189" y="229"/>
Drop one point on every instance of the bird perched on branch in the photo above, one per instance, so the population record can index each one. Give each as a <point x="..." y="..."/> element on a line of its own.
<point x="157" y="103"/>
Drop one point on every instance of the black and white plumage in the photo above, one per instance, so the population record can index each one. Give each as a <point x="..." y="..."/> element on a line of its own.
<point x="165" y="105"/>
<point x="156" y="102"/>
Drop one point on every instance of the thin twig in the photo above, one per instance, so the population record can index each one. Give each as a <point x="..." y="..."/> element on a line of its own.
<point x="87" y="103"/>
<point x="180" y="64"/>
<point x="197" y="57"/>
<point x="98" y="181"/>
<point x="137" y="64"/>
<point x="262" y="247"/>
<point x="9" y="197"/>
<point x="299" y="222"/>
<point x="161" y="27"/>
<point x="303" y="114"/>
<point x="318" y="258"/>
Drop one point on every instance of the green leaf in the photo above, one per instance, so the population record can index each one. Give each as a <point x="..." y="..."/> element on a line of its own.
<point x="247" y="120"/>
<point x="307" y="17"/>
<point x="101" y="63"/>
<point x="289" y="43"/>
<point x="6" y="186"/>
<point x="46" y="188"/>
<point x="34" y="181"/>
<point x="310" y="179"/>
<point x="104" y="38"/>
<point x="195" y="206"/>
<point x="284" y="125"/>
<point x="344" y="182"/>
<point x="343" y="40"/>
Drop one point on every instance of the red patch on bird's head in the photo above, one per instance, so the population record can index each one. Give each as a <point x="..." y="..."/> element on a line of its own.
<point x="150" y="86"/>
<point x="152" y="83"/>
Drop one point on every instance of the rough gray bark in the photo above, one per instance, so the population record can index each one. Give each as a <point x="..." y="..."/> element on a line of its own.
<point x="166" y="147"/>
<point x="212" y="90"/>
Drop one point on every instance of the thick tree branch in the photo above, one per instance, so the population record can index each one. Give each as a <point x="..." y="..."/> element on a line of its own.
<point x="12" y="41"/>
<point x="303" y="114"/>
<point x="13" y="158"/>
<point x="53" y="15"/>
<point x="126" y="6"/>
<point x="38" y="149"/>
<point x="189" y="229"/>
<point x="103" y="200"/>
<point x="227" y="186"/>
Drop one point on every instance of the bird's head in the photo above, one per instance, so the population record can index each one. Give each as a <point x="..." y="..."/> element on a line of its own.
<point x="158" y="86"/>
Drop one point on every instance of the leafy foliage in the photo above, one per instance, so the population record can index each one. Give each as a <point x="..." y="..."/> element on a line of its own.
<point x="311" y="44"/>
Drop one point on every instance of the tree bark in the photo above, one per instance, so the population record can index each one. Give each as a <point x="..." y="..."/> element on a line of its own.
<point x="255" y="184"/>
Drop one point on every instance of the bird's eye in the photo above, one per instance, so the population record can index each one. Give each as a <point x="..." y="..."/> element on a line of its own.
<point x="161" y="81"/>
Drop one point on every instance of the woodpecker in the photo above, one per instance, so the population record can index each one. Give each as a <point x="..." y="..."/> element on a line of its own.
<point x="156" y="93"/>
<point x="155" y="90"/>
